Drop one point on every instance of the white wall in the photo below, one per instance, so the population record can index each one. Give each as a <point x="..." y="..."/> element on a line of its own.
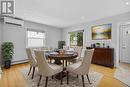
<point x="17" y="35"/>
<point x="115" y="20"/>
<point x="53" y="35"/>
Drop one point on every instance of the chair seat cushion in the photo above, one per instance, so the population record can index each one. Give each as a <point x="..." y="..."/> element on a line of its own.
<point x="56" y="68"/>
<point x="74" y="66"/>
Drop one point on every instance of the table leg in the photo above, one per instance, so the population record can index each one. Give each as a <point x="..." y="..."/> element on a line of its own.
<point x="58" y="62"/>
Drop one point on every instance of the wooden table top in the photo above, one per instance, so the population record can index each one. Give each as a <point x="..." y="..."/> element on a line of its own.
<point x="64" y="56"/>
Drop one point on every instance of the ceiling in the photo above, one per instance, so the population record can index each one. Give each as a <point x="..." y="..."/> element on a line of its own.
<point x="65" y="13"/>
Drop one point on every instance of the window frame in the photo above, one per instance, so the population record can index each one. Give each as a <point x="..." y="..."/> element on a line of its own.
<point x="34" y="30"/>
<point x="76" y="32"/>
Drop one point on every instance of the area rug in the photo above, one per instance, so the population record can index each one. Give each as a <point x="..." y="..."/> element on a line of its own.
<point x="123" y="74"/>
<point x="95" y="79"/>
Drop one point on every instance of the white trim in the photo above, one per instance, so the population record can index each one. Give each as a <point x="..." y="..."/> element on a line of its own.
<point x="19" y="62"/>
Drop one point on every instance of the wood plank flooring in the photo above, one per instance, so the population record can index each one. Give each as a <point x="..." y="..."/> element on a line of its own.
<point x="13" y="78"/>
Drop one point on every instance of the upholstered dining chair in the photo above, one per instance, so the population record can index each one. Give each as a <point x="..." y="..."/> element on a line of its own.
<point x="81" y="67"/>
<point x="77" y="49"/>
<point x="65" y="47"/>
<point x="46" y="69"/>
<point x="32" y="60"/>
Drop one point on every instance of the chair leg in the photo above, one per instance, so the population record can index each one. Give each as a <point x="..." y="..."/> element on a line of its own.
<point x="66" y="63"/>
<point x="63" y="62"/>
<point x="46" y="81"/>
<point x="52" y="77"/>
<point x="50" y="61"/>
<point x="33" y="72"/>
<point x="61" y="77"/>
<point x="39" y="80"/>
<point x="88" y="79"/>
<point x="77" y="75"/>
<point x="67" y="77"/>
<point x="30" y="70"/>
<point x="83" y="80"/>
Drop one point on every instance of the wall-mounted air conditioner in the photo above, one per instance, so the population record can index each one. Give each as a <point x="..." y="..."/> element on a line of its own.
<point x="13" y="21"/>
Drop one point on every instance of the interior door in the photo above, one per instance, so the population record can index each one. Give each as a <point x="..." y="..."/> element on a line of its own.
<point x="125" y="43"/>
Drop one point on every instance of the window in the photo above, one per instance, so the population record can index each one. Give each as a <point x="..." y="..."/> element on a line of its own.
<point x="35" y="38"/>
<point x="76" y="38"/>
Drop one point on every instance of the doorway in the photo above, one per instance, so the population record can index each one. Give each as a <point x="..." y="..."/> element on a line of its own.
<point x="125" y="43"/>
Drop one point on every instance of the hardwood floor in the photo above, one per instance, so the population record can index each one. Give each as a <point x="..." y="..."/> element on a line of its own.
<point x="13" y="78"/>
<point x="108" y="79"/>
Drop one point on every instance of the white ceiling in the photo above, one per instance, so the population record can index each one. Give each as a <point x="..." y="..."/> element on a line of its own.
<point x="64" y="13"/>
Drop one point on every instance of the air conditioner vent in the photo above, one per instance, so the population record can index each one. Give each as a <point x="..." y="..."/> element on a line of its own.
<point x="14" y="21"/>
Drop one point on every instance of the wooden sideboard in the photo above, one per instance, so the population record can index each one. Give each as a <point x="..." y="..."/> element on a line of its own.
<point x="104" y="56"/>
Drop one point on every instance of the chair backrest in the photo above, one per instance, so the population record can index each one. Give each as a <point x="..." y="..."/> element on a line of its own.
<point x="86" y="62"/>
<point x="37" y="48"/>
<point x="66" y="47"/>
<point x="78" y="49"/>
<point x="30" y="56"/>
<point x="43" y="65"/>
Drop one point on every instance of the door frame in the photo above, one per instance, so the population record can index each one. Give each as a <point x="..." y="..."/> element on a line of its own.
<point x="119" y="41"/>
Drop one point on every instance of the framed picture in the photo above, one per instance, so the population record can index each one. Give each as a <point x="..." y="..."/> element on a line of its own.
<point x="101" y="32"/>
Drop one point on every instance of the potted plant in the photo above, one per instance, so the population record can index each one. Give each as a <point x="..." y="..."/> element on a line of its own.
<point x="7" y="53"/>
<point x="97" y="44"/>
<point x="61" y="44"/>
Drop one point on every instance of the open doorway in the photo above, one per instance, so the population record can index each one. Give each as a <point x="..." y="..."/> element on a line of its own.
<point x="122" y="72"/>
<point x="125" y="43"/>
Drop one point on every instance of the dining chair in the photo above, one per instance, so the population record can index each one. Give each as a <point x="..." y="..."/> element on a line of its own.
<point x="77" y="49"/>
<point x="82" y="67"/>
<point x="46" y="69"/>
<point x="32" y="61"/>
<point x="65" y="47"/>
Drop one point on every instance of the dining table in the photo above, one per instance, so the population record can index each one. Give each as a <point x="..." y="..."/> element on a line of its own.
<point x="62" y="56"/>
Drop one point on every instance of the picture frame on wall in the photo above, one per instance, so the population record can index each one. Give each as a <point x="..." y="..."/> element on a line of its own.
<point x="101" y="32"/>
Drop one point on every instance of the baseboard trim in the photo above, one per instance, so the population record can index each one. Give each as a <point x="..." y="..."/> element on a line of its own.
<point x="19" y="62"/>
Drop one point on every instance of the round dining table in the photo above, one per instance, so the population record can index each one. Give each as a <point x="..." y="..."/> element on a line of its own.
<point x="57" y="56"/>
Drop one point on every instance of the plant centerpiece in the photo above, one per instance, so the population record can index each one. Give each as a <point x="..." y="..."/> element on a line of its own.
<point x="7" y="53"/>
